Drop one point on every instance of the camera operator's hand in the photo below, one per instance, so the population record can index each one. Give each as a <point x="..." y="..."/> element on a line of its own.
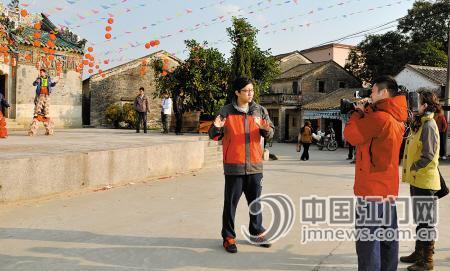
<point x="361" y="104"/>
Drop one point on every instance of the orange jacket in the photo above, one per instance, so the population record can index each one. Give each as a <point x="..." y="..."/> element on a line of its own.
<point x="241" y="137"/>
<point x="377" y="134"/>
<point x="441" y="122"/>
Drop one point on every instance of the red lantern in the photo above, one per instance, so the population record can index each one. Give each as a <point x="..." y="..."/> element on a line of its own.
<point x="37" y="43"/>
<point x="37" y="35"/>
<point x="147" y="45"/>
<point x="107" y="36"/>
<point x="24" y="13"/>
<point x="103" y="75"/>
<point x="50" y="44"/>
<point x="157" y="42"/>
<point x="108" y="28"/>
<point x="37" y="26"/>
<point x="97" y="67"/>
<point x="52" y="36"/>
<point x="90" y="49"/>
<point x="91" y="64"/>
<point x="164" y="73"/>
<point x="110" y="20"/>
<point x="90" y="71"/>
<point x="85" y="62"/>
<point x="152" y="43"/>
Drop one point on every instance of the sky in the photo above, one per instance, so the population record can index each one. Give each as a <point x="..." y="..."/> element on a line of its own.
<point x="284" y="25"/>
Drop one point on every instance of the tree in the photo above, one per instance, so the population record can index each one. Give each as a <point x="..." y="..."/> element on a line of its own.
<point x="378" y="55"/>
<point x="247" y="59"/>
<point x="427" y="21"/>
<point x="203" y="76"/>
<point x="421" y="38"/>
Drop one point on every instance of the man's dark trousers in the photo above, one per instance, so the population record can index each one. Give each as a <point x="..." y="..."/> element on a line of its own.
<point x="141" y="118"/>
<point x="179" y="122"/>
<point x="377" y="255"/>
<point x="235" y="185"/>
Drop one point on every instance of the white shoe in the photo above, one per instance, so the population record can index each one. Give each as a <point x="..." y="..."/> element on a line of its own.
<point x="444" y="157"/>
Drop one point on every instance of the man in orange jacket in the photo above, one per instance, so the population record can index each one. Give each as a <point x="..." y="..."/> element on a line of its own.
<point x="377" y="131"/>
<point x="240" y="125"/>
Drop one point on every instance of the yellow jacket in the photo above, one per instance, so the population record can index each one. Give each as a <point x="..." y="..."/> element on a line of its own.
<point x="421" y="156"/>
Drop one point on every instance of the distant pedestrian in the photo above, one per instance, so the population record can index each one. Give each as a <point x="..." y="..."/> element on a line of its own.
<point x="306" y="140"/>
<point x="166" y="112"/>
<point x="142" y="108"/>
<point x="442" y="124"/>
<point x="3" y="106"/>
<point x="178" y="108"/>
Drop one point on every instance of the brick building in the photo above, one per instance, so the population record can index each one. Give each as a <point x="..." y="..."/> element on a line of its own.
<point x="300" y="85"/>
<point x="121" y="85"/>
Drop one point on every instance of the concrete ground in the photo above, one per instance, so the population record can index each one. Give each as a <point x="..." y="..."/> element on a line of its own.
<point x="19" y="144"/>
<point x="174" y="224"/>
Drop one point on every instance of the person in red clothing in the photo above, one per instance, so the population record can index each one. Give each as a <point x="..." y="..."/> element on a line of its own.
<point x="4" y="105"/>
<point x="377" y="130"/>
<point x="442" y="124"/>
<point x="240" y="125"/>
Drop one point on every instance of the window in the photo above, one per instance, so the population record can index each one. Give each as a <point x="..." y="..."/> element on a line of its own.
<point x="294" y="120"/>
<point x="275" y="121"/>
<point x="342" y="85"/>
<point x="321" y="86"/>
<point x="273" y="114"/>
<point x="295" y="87"/>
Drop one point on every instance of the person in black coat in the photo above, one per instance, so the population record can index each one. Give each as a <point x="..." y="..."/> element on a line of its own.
<point x="178" y="109"/>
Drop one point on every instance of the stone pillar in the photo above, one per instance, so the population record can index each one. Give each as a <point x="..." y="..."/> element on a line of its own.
<point x="281" y="123"/>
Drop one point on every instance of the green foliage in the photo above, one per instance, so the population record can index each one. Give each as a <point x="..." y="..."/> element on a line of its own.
<point x="428" y="21"/>
<point x="248" y="60"/>
<point x="121" y="116"/>
<point x="421" y="39"/>
<point x="378" y="55"/>
<point x="205" y="76"/>
<point x="129" y="115"/>
<point x="114" y="115"/>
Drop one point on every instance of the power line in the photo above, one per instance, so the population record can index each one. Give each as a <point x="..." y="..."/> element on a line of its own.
<point x="361" y="32"/>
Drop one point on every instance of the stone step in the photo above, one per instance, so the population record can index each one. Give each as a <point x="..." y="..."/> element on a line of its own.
<point x="213" y="155"/>
<point x="12" y="125"/>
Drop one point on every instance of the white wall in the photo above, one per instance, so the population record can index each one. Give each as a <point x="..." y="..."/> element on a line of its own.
<point x="65" y="99"/>
<point x="414" y="81"/>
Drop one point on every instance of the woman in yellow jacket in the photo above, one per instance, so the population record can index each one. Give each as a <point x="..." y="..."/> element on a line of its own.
<point x="420" y="170"/>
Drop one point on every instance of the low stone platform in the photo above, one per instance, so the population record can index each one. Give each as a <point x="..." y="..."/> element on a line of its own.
<point x="78" y="158"/>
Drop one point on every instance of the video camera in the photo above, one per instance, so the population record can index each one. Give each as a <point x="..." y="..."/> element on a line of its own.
<point x="412" y="98"/>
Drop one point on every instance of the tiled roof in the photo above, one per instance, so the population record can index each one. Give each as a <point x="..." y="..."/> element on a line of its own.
<point x="435" y="74"/>
<point x="26" y="37"/>
<point x="326" y="46"/>
<point x="331" y="100"/>
<point x="302" y="69"/>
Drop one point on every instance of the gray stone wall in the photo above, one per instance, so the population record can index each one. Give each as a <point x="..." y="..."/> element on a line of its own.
<point x="120" y="85"/>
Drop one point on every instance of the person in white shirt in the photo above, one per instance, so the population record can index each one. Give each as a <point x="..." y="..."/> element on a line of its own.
<point x="166" y="112"/>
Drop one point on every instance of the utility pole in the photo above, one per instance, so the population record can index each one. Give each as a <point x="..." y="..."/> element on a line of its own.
<point x="447" y="86"/>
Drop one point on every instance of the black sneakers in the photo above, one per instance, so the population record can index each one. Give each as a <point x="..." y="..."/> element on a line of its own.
<point x="229" y="244"/>
<point x="261" y="241"/>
